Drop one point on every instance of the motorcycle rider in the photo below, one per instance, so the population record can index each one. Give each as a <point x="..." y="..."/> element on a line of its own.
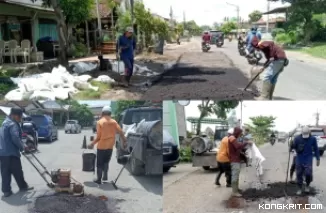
<point x="251" y="35"/>
<point x="30" y="128"/>
<point x="206" y="38"/>
<point x="273" y="138"/>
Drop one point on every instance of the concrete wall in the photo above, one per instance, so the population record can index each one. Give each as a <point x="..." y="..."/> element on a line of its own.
<point x="170" y="123"/>
<point x="181" y="119"/>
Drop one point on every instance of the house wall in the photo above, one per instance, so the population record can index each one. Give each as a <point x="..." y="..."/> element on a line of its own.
<point x="170" y="122"/>
<point x="181" y="119"/>
<point x="13" y="10"/>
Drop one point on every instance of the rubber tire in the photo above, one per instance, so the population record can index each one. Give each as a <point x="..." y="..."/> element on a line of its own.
<point x="321" y="152"/>
<point x="136" y="167"/>
<point x="166" y="169"/>
<point x="206" y="168"/>
<point x="50" y="139"/>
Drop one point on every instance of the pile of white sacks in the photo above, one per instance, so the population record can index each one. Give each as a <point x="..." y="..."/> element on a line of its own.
<point x="58" y="84"/>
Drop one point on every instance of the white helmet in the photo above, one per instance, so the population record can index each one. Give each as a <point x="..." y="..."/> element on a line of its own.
<point x="106" y="109"/>
<point x="230" y="131"/>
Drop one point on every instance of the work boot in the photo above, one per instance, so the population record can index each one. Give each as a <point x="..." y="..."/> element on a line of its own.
<point x="299" y="192"/>
<point x="307" y="189"/>
<point x="272" y="92"/>
<point x="266" y="91"/>
<point x="28" y="188"/>
<point x="7" y="194"/>
<point x="124" y="81"/>
<point x="99" y="176"/>
<point x="235" y="190"/>
<point x="228" y="185"/>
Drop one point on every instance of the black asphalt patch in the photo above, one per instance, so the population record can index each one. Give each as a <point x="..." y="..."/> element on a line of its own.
<point x="273" y="191"/>
<point x="69" y="204"/>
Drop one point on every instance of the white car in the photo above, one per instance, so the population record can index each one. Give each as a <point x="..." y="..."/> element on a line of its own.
<point x="72" y="126"/>
<point x="321" y="138"/>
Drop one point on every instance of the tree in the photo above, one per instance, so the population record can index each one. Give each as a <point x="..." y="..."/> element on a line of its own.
<point x="216" y="26"/>
<point x="80" y="112"/>
<point x="255" y="16"/>
<point x="193" y="28"/>
<point x="71" y="12"/>
<point x="218" y="108"/>
<point x="122" y="105"/>
<point x="228" y="27"/>
<point x="261" y="127"/>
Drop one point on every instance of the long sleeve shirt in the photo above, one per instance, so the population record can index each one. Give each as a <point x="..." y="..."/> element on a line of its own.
<point x="223" y="152"/>
<point x="310" y="148"/>
<point x="234" y="149"/>
<point x="10" y="138"/>
<point x="106" y="130"/>
<point x="126" y="46"/>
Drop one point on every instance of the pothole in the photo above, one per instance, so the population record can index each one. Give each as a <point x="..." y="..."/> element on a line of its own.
<point x="62" y="203"/>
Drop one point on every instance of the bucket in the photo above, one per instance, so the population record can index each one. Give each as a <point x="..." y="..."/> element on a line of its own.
<point x="91" y="138"/>
<point x="89" y="159"/>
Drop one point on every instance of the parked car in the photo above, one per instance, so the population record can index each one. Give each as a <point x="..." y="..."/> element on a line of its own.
<point x="217" y="35"/>
<point x="72" y="126"/>
<point x="319" y="133"/>
<point x="171" y="155"/>
<point x="46" y="128"/>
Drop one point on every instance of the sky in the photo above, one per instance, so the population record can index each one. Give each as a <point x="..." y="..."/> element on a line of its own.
<point x="288" y="113"/>
<point x="206" y="12"/>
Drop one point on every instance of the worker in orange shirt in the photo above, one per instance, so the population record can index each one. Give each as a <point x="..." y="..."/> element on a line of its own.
<point x="106" y="130"/>
<point x="223" y="161"/>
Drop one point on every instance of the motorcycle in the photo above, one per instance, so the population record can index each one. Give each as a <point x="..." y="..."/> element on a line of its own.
<point x="219" y="43"/>
<point x="273" y="140"/>
<point x="30" y="141"/>
<point x="206" y="47"/>
<point x="254" y="57"/>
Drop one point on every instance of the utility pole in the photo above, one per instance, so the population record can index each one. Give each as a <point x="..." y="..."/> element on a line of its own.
<point x="267" y="21"/>
<point x="132" y="13"/>
<point x="184" y="19"/>
<point x="317" y="114"/>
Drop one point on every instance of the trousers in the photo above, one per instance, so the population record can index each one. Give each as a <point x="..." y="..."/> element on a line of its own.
<point x="224" y="168"/>
<point x="303" y="170"/>
<point x="103" y="159"/>
<point x="11" y="166"/>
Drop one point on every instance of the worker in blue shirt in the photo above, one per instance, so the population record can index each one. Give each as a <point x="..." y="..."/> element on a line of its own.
<point x="10" y="147"/>
<point x="125" y="47"/>
<point x="306" y="147"/>
<point x="253" y="33"/>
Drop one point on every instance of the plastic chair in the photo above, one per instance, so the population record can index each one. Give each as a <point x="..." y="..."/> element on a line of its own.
<point x="11" y="52"/>
<point x="25" y="50"/>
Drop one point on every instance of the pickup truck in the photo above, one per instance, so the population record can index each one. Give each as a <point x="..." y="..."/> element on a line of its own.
<point x="72" y="126"/>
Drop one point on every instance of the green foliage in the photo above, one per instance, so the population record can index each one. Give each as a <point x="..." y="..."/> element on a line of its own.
<point x="287" y="38"/>
<point x="79" y="112"/>
<point x="218" y="108"/>
<point x="193" y="28"/>
<point x="261" y="128"/>
<point x="255" y="16"/>
<point x="179" y="29"/>
<point x="277" y="31"/>
<point x="122" y="105"/>
<point x="189" y="134"/>
<point x="80" y="50"/>
<point x="228" y="27"/>
<point x="6" y="84"/>
<point x="185" y="154"/>
<point x="92" y="94"/>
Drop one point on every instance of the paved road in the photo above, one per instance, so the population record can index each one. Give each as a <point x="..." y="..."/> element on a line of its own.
<point x="201" y="75"/>
<point x="303" y="79"/>
<point x="195" y="192"/>
<point x="135" y="194"/>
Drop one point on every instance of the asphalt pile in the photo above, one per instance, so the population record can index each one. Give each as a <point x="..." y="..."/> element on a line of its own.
<point x="70" y="204"/>
<point x="273" y="191"/>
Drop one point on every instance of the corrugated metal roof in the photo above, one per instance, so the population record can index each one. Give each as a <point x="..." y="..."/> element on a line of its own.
<point x="31" y="5"/>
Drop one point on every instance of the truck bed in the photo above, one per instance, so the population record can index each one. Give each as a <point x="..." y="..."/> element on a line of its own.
<point x="207" y="159"/>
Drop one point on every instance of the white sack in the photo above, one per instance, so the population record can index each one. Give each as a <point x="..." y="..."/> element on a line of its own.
<point x="258" y="159"/>
<point x="118" y="66"/>
<point x="104" y="79"/>
<point x="128" y="129"/>
<point x="82" y="67"/>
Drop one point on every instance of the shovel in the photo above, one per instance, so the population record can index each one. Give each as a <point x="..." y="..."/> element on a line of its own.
<point x="253" y="79"/>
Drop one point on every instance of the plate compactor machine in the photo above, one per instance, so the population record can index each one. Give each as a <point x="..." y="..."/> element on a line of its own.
<point x="61" y="179"/>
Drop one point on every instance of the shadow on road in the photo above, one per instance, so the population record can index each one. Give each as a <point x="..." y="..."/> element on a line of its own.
<point x="18" y="199"/>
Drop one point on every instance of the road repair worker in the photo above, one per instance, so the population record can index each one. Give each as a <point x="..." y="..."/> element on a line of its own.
<point x="10" y="147"/>
<point x="106" y="130"/>
<point x="223" y="160"/>
<point x="125" y="49"/>
<point x="206" y="38"/>
<point x="234" y="154"/>
<point x="292" y="168"/>
<point x="306" y="147"/>
<point x="276" y="61"/>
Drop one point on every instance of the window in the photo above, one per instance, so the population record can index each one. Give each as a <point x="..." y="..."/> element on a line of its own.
<point x="39" y="120"/>
<point x="72" y="122"/>
<point x="317" y="133"/>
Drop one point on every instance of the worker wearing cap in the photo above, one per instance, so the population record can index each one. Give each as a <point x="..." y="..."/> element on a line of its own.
<point x="10" y="147"/>
<point x="235" y="149"/>
<point x="223" y="160"/>
<point x="106" y="130"/>
<point x="306" y="147"/>
<point x="125" y="47"/>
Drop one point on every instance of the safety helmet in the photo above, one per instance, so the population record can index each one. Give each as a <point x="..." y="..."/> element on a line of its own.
<point x="230" y="131"/>
<point x="106" y="109"/>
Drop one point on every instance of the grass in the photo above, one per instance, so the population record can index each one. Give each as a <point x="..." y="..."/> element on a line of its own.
<point x="91" y="94"/>
<point x="317" y="49"/>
